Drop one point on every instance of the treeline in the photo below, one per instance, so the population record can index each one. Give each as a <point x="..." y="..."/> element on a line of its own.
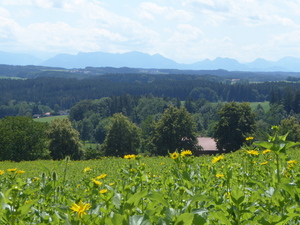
<point x="141" y="124"/>
<point x="51" y="91"/>
<point x="91" y="117"/>
<point x="289" y="98"/>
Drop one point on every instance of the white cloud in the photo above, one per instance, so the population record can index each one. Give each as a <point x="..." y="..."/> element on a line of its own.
<point x="170" y="13"/>
<point x="4" y="13"/>
<point x="184" y="30"/>
<point x="8" y="30"/>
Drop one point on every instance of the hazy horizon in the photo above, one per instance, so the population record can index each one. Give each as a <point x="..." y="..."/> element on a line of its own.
<point x="185" y="31"/>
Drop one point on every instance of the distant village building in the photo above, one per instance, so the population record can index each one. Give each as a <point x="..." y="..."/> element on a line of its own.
<point x="36" y="115"/>
<point x="235" y="80"/>
<point x="47" y="114"/>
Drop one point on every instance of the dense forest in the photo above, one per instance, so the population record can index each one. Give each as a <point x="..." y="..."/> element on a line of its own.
<point x="18" y="97"/>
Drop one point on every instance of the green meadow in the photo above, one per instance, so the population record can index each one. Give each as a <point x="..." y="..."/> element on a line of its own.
<point x="235" y="188"/>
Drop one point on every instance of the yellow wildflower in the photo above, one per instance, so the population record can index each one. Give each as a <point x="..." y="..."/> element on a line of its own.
<point x="35" y="179"/>
<point x="80" y="208"/>
<point x="227" y="194"/>
<point x="87" y="169"/>
<point x="219" y="175"/>
<point x="12" y="170"/>
<point x="2" y="172"/>
<point x="20" y="171"/>
<point x="266" y="151"/>
<point x="130" y="156"/>
<point x="249" y="138"/>
<point x="162" y="163"/>
<point x="103" y="191"/>
<point x="264" y="163"/>
<point x="291" y="162"/>
<point x="186" y="152"/>
<point x="97" y="182"/>
<point x="102" y="176"/>
<point x="217" y="158"/>
<point x="174" y="155"/>
<point x="111" y="184"/>
<point x="253" y="152"/>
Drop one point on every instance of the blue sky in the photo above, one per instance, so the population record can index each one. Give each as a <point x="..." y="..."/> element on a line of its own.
<point x="186" y="31"/>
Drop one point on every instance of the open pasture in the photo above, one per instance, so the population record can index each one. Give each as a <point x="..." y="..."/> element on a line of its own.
<point x="236" y="188"/>
<point x="48" y="119"/>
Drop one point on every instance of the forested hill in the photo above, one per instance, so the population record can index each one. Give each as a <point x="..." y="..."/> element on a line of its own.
<point x="43" y="71"/>
<point x="66" y="92"/>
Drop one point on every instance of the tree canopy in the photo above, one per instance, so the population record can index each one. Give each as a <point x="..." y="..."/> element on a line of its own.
<point x="123" y="137"/>
<point x="236" y="122"/>
<point x="64" y="140"/>
<point x="21" y="138"/>
<point x="174" y="131"/>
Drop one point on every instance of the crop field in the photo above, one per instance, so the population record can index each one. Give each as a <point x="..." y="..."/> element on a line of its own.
<point x="244" y="187"/>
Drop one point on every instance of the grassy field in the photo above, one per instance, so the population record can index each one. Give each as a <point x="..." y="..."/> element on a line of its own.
<point x="265" y="105"/>
<point x="236" y="188"/>
<point x="49" y="118"/>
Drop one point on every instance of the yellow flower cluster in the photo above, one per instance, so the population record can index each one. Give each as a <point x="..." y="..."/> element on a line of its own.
<point x="266" y="151"/>
<point x="130" y="156"/>
<point x="220" y="175"/>
<point x="20" y="172"/>
<point x="253" y="152"/>
<point x="97" y="182"/>
<point x="186" y="152"/>
<point x="102" y="176"/>
<point x="264" y="163"/>
<point x="249" y="138"/>
<point x="292" y="162"/>
<point x="217" y="158"/>
<point x="87" y="169"/>
<point x="80" y="208"/>
<point x="103" y="191"/>
<point x="13" y="170"/>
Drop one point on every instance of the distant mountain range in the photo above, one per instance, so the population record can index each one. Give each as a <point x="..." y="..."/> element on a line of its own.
<point x="142" y="60"/>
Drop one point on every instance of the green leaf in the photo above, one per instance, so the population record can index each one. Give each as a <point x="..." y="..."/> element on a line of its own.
<point x="24" y="209"/>
<point x="199" y="220"/>
<point x="270" y="192"/>
<point x="264" y="144"/>
<point x="201" y="198"/>
<point x="135" y="199"/>
<point x="292" y="144"/>
<point x="199" y="211"/>
<point x="221" y="218"/>
<point x="117" y="200"/>
<point x="115" y="219"/>
<point x="289" y="188"/>
<point x="157" y="197"/>
<point x="185" y="219"/>
<point x="139" y="220"/>
<point x="237" y="196"/>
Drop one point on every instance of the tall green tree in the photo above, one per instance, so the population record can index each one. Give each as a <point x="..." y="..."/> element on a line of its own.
<point x="175" y="130"/>
<point x="21" y="138"/>
<point x="123" y="137"/>
<point x="291" y="126"/>
<point x="64" y="140"/>
<point x="237" y="121"/>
